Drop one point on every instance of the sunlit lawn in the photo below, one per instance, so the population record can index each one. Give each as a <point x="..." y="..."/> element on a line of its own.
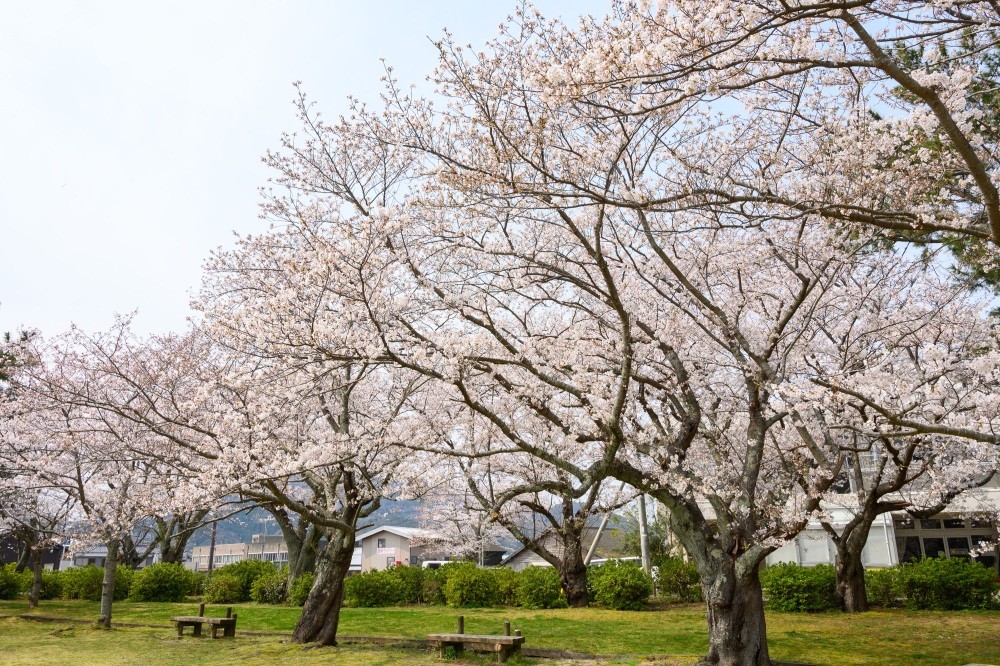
<point x="883" y="637"/>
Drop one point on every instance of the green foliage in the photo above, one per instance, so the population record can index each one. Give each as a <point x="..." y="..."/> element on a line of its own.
<point x="793" y="588"/>
<point x="677" y="580"/>
<point x="199" y="581"/>
<point x="506" y="582"/>
<point x="300" y="588"/>
<point x="85" y="583"/>
<point x="163" y="581"/>
<point x="658" y="534"/>
<point x="270" y="588"/>
<point x="371" y="589"/>
<point x="224" y="589"/>
<point x="434" y="580"/>
<point x="468" y="585"/>
<point x="947" y="584"/>
<point x="245" y="571"/>
<point x="620" y="585"/>
<point x="408" y="582"/>
<point x="10" y="582"/>
<point x="882" y="587"/>
<point x="539" y="587"/>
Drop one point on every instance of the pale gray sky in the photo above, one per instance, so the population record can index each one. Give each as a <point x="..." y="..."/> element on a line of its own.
<point x="131" y="132"/>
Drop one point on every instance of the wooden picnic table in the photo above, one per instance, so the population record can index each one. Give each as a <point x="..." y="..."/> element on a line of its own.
<point x="226" y="624"/>
<point x="503" y="645"/>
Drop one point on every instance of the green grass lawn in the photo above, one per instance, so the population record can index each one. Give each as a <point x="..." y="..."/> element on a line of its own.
<point x="882" y="637"/>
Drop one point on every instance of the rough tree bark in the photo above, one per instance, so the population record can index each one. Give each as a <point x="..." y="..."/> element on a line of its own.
<point x="321" y="612"/>
<point x="108" y="585"/>
<point x="736" y="627"/>
<point x="573" y="570"/>
<point x="36" y="584"/>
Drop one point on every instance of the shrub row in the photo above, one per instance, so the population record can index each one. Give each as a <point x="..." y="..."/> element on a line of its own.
<point x="928" y="584"/>
<point x="615" y="585"/>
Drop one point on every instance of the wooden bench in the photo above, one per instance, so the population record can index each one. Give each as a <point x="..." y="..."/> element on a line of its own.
<point x="503" y="645"/>
<point x="226" y="624"/>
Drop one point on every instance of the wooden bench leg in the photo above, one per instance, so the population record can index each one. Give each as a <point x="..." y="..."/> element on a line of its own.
<point x="180" y="630"/>
<point x="197" y="629"/>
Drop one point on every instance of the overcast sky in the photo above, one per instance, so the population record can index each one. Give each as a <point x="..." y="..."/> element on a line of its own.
<point x="131" y="132"/>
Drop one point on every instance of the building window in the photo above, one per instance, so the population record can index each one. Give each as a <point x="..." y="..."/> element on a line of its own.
<point x="390" y="561"/>
<point x="414" y="560"/>
<point x="909" y="548"/>
<point x="380" y="543"/>
<point x="930" y="524"/>
<point x="958" y="547"/>
<point x="933" y="546"/>
<point x="954" y="523"/>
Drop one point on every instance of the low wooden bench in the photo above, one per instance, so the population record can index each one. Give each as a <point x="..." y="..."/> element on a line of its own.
<point x="503" y="645"/>
<point x="226" y="624"/>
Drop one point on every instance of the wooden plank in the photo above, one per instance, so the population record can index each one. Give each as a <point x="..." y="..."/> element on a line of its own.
<point x="476" y="638"/>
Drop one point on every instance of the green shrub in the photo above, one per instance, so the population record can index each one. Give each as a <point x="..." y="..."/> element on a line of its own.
<point x="51" y="584"/>
<point x="10" y="582"/>
<point x="245" y="571"/>
<point x="270" y="588"/>
<point x="677" y="580"/>
<point x="434" y="580"/>
<point x="408" y="584"/>
<point x="224" y="589"/>
<point x="793" y="588"/>
<point x="300" y="588"/>
<point x="882" y="587"/>
<point x="85" y="583"/>
<point x="620" y="585"/>
<point x="199" y="581"/>
<point x="372" y="589"/>
<point x="540" y="587"/>
<point x="947" y="584"/>
<point x="468" y="585"/>
<point x="163" y="581"/>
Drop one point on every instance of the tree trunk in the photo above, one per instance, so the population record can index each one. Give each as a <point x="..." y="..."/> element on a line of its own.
<point x="321" y="612"/>
<point x="573" y="571"/>
<point x="108" y="585"/>
<point x="736" y="630"/>
<point x="36" y="584"/>
<point x="852" y="595"/>
<point x="23" y="559"/>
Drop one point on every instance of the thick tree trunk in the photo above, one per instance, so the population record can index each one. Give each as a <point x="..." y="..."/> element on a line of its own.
<point x="36" y="584"/>
<point x="736" y="630"/>
<point x="108" y="585"/>
<point x="321" y="612"/>
<point x="852" y="595"/>
<point x="573" y="571"/>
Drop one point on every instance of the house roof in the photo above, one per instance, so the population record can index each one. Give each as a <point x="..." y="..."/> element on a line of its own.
<point x="405" y="532"/>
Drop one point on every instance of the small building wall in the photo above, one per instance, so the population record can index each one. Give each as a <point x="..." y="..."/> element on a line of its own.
<point x="395" y="549"/>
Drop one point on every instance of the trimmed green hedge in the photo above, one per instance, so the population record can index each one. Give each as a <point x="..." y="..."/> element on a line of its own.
<point x="163" y="581"/>
<point x="270" y="588"/>
<point x="246" y="572"/>
<point x="540" y="587"/>
<point x="948" y="584"/>
<point x="677" y="580"/>
<point x="620" y="585"/>
<point x="793" y="588"/>
<point x="84" y="583"/>
<point x="224" y="589"/>
<point x="10" y="582"/>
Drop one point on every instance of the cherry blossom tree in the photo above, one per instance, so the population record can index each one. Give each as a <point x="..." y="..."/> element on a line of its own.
<point x="571" y="268"/>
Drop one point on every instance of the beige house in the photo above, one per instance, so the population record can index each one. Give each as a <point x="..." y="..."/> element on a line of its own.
<point x="269" y="548"/>
<point x="609" y="546"/>
<point x="388" y="546"/>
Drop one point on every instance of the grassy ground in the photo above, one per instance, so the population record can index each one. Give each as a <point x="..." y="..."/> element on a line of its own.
<point x="884" y="637"/>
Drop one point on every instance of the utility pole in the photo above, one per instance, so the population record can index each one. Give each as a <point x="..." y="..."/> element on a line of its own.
<point x="211" y="547"/>
<point x="643" y="534"/>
